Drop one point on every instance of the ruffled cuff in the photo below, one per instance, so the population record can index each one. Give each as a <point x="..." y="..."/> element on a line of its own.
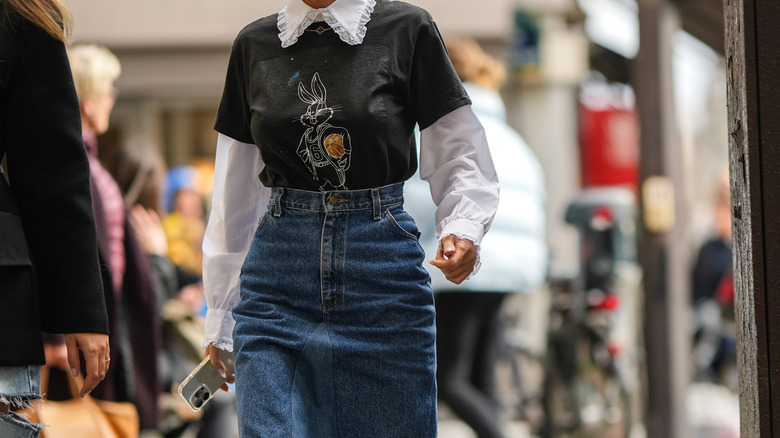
<point x="219" y="329"/>
<point x="465" y="229"/>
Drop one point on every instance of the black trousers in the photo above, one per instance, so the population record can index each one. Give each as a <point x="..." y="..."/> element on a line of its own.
<point x="469" y="333"/>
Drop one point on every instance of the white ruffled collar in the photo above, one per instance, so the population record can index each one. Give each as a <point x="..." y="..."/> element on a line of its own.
<point x="347" y="18"/>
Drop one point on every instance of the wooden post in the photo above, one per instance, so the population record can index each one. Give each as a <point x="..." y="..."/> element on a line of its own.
<point x="663" y="260"/>
<point x="752" y="54"/>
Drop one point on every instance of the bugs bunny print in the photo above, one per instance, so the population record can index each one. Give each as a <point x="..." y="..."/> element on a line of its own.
<point x="326" y="149"/>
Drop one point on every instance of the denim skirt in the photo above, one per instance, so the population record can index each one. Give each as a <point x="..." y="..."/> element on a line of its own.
<point x="335" y="332"/>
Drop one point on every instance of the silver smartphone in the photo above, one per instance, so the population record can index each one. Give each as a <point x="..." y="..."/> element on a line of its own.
<point x="204" y="382"/>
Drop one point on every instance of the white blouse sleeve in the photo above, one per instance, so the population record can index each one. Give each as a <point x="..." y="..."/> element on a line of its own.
<point x="456" y="162"/>
<point x="231" y="225"/>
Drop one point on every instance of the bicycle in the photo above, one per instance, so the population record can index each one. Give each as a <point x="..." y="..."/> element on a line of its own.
<point x="586" y="373"/>
<point x="520" y="365"/>
<point x="569" y="383"/>
<point x="590" y="387"/>
<point x="585" y="394"/>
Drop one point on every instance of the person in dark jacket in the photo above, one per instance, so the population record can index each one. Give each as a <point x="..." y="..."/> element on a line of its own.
<point x="127" y="274"/>
<point x="49" y="272"/>
<point x="140" y="170"/>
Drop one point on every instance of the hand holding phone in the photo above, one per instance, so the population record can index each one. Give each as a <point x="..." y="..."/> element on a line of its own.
<point x="204" y="381"/>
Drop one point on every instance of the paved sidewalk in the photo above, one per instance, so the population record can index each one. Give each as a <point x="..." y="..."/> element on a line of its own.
<point x="713" y="411"/>
<point x="454" y="428"/>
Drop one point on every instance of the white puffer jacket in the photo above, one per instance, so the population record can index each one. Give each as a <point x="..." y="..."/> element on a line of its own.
<point x="514" y="252"/>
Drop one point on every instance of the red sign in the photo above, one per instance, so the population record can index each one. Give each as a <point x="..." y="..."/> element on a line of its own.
<point x="609" y="146"/>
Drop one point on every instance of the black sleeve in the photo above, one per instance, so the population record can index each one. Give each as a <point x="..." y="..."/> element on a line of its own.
<point x="234" y="114"/>
<point x="49" y="174"/>
<point x="435" y="89"/>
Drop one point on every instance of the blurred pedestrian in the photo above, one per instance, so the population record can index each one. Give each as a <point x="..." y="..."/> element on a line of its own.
<point x="140" y="172"/>
<point x="714" y="342"/>
<point x="713" y="261"/>
<point x="127" y="275"/>
<point x="334" y="323"/>
<point x="49" y="272"/>
<point x="185" y="224"/>
<point x="513" y="254"/>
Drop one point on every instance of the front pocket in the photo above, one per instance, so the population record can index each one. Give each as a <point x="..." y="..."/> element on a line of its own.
<point x="398" y="225"/>
<point x="263" y="219"/>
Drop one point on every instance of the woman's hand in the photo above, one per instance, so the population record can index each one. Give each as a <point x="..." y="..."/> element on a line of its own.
<point x="456" y="258"/>
<point x="97" y="356"/>
<point x="216" y="360"/>
<point x="149" y="231"/>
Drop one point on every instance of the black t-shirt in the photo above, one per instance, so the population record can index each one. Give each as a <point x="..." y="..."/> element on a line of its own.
<point x="328" y="115"/>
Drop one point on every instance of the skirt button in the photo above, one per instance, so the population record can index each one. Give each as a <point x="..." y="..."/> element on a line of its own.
<point x="335" y="200"/>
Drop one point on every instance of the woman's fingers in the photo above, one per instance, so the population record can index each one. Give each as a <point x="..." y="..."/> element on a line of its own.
<point x="96" y="357"/>
<point x="94" y="376"/>
<point x="447" y="246"/>
<point x="456" y="258"/>
<point x="215" y="357"/>
<point x="73" y="355"/>
<point x="149" y="230"/>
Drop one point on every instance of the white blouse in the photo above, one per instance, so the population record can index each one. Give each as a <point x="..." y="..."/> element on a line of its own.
<point x="454" y="159"/>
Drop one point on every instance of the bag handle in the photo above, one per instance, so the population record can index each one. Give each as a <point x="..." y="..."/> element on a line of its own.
<point x="74" y="383"/>
<point x="102" y="425"/>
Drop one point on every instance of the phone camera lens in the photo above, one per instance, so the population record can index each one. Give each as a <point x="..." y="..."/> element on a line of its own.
<point x="206" y="395"/>
<point x="197" y="403"/>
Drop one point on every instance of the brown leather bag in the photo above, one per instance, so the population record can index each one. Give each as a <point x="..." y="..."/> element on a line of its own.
<point x="83" y="417"/>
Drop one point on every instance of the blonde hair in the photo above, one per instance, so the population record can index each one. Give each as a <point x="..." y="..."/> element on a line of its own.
<point x="474" y="65"/>
<point x="94" y="68"/>
<point x="50" y="15"/>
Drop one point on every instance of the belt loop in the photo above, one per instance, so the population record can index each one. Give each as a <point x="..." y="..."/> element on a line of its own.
<point x="377" y="204"/>
<point x="278" y="201"/>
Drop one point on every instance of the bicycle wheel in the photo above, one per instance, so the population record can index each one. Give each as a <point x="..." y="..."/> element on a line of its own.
<point x="584" y="397"/>
<point x="519" y="377"/>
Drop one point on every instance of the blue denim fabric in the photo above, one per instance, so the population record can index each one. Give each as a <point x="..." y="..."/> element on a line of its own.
<point x="335" y="333"/>
<point x="19" y="385"/>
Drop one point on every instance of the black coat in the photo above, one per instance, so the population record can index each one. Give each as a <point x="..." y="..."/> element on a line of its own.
<point x="49" y="271"/>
